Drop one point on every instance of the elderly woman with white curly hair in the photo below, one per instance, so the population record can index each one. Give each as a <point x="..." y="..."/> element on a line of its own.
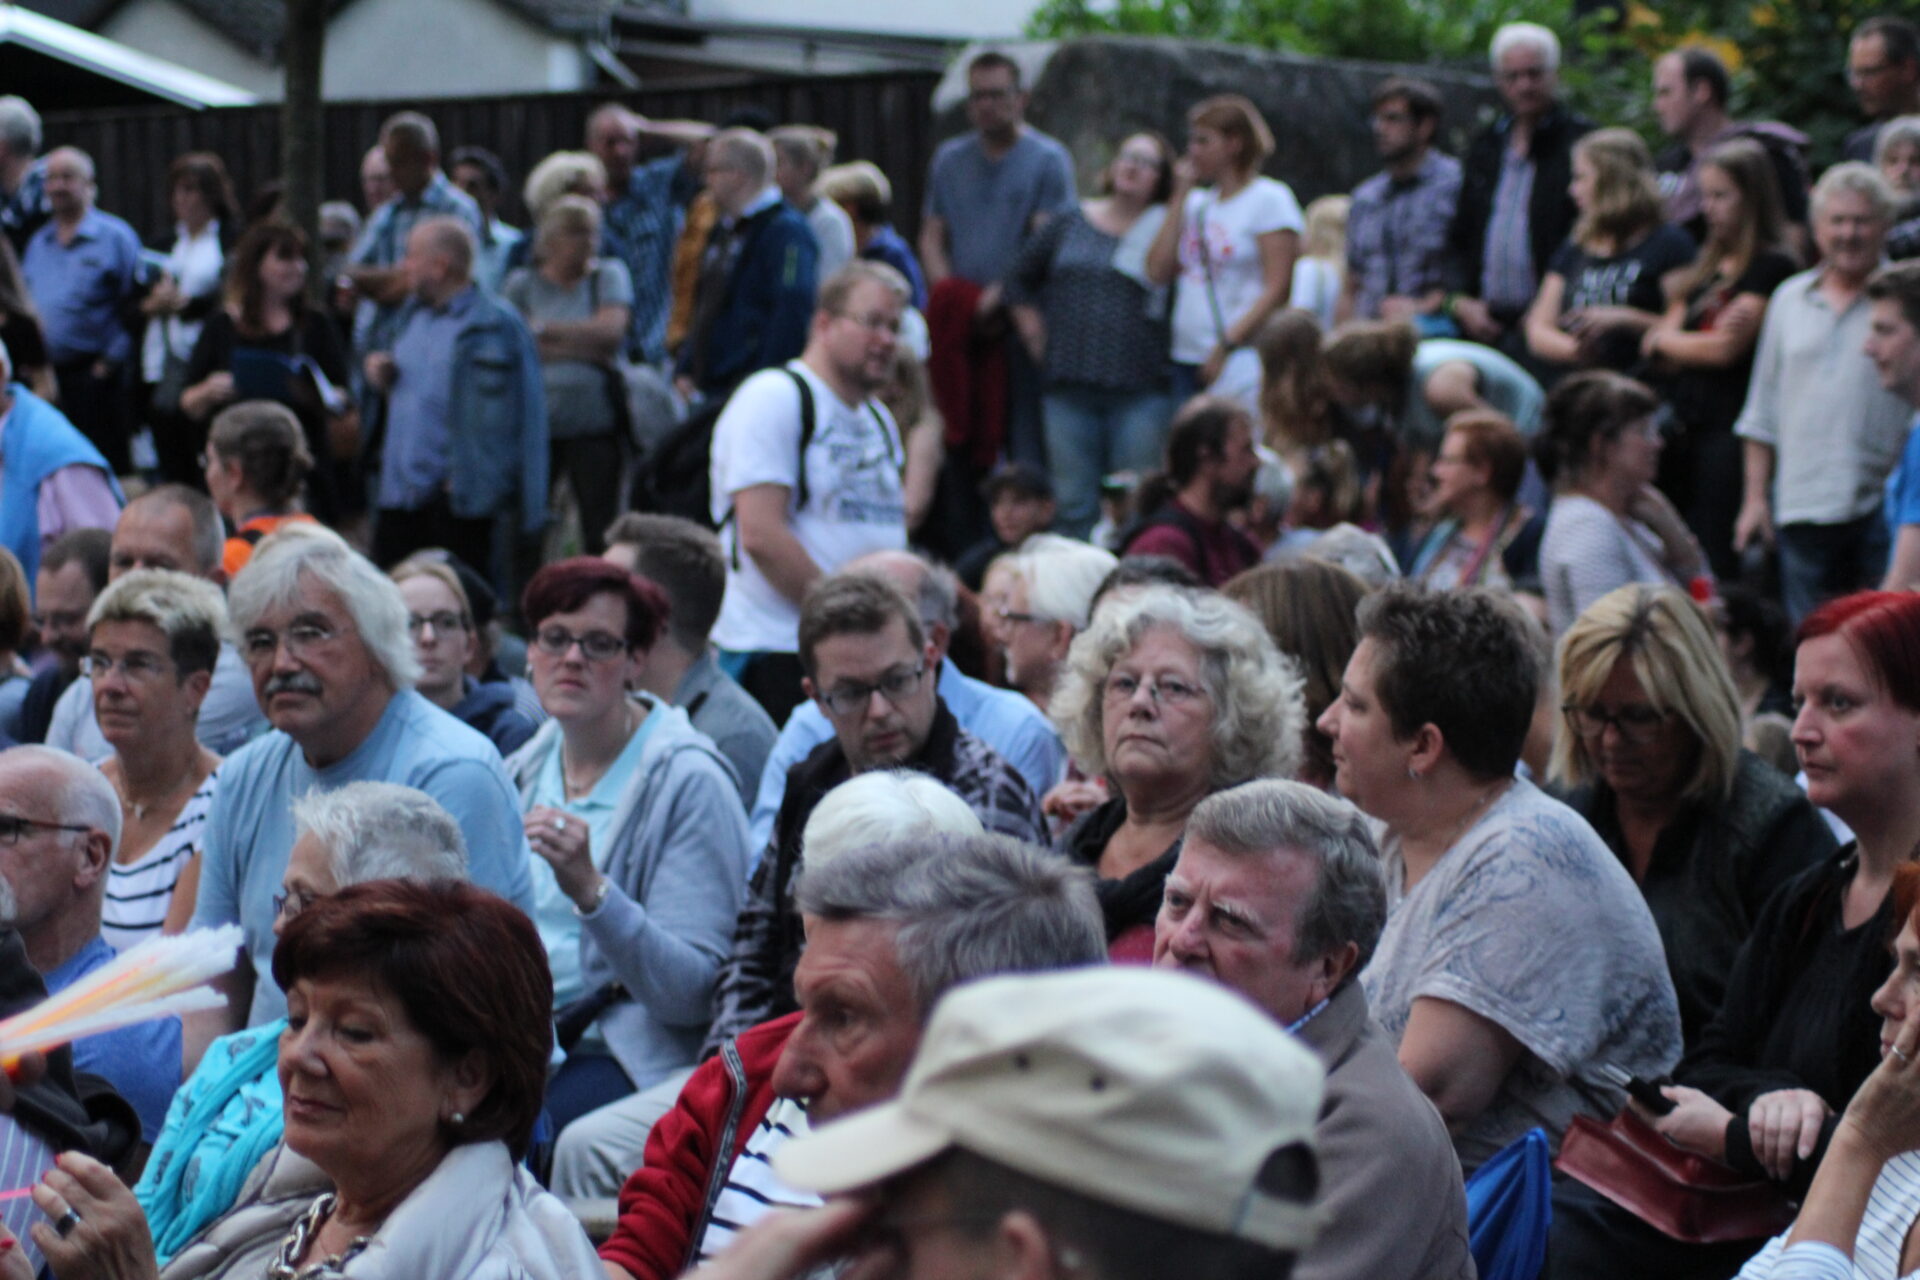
<point x="1170" y="695"/>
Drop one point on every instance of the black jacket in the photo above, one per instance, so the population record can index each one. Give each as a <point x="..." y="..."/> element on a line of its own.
<point x="66" y="1110"/>
<point x="1133" y="899"/>
<point x="1550" y="213"/>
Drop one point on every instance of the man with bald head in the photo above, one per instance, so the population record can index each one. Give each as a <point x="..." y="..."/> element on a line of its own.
<point x="466" y="439"/>
<point x="82" y="267"/>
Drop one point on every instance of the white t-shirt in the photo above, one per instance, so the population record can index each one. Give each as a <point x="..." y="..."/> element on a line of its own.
<point x="854" y="504"/>
<point x="1233" y="229"/>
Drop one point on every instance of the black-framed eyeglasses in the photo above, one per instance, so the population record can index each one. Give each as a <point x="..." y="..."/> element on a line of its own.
<point x="845" y="699"/>
<point x="598" y="646"/>
<point x="440" y="622"/>
<point x="13" y="826"/>
<point x="1635" y="724"/>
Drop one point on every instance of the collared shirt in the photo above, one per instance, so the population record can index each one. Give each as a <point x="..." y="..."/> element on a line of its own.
<point x="1508" y="279"/>
<point x="640" y="227"/>
<point x="415" y="463"/>
<point x="1397" y="232"/>
<point x="383" y="243"/>
<point x="79" y="286"/>
<point x="1815" y="398"/>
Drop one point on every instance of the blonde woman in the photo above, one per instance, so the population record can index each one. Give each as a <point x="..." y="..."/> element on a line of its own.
<point x="1320" y="274"/>
<point x="1603" y="289"/>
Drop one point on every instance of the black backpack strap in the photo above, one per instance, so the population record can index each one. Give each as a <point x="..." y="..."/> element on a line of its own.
<point x="807" y="425"/>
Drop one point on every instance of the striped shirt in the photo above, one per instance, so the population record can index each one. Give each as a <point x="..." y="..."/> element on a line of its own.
<point x="753" y="1189"/>
<point x="1891" y="1211"/>
<point x="139" y="892"/>
<point x="23" y="1158"/>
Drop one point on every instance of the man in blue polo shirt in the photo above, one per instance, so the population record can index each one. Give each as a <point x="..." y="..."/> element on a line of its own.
<point x="82" y="266"/>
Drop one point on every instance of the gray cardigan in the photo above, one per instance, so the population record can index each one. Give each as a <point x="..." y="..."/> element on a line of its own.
<point x="679" y="873"/>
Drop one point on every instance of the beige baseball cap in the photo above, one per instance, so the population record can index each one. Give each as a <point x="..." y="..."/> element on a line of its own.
<point x="1144" y="1088"/>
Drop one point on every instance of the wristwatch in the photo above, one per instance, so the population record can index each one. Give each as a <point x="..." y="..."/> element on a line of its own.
<point x="600" y="892"/>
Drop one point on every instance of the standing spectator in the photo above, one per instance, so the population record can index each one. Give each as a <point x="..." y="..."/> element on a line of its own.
<point x="178" y="303"/>
<point x="20" y="328"/>
<point x="1690" y="90"/>
<point x="1230" y="240"/>
<point x="685" y="561"/>
<point x="864" y="192"/>
<point x="1319" y="274"/>
<point x="255" y="468"/>
<point x="376" y="179"/>
<point x="758" y="274"/>
<point x="52" y="479"/>
<point x="1020" y="503"/>
<point x="1397" y="227"/>
<point x="16" y="617"/>
<point x="73" y="571"/>
<point x="800" y="152"/>
<point x="1893" y="344"/>
<point x="267" y="311"/>
<point x="466" y="440"/>
<point x="1896" y="154"/>
<point x="1096" y="327"/>
<point x="579" y="306"/>
<point x="23" y="177"/>
<point x="1883" y="66"/>
<point x="1608" y="526"/>
<point x="1210" y="466"/>
<point x="82" y="267"/>
<point x="644" y="203"/>
<point x="1602" y="290"/>
<point x="987" y="190"/>
<point x="800" y="503"/>
<point x="479" y="173"/>
<point x="1820" y="432"/>
<point x="1049" y="603"/>
<point x="1514" y="208"/>
<point x="445" y="636"/>
<point x="1701" y="351"/>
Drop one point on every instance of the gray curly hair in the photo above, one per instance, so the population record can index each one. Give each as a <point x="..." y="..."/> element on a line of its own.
<point x="1260" y="715"/>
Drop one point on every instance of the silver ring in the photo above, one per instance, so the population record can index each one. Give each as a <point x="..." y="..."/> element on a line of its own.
<point x="559" y="824"/>
<point x="66" y="1222"/>
<point x="1896" y="1051"/>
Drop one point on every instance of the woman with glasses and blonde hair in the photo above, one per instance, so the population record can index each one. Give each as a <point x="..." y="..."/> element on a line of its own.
<point x="445" y="638"/>
<point x="639" y="838"/>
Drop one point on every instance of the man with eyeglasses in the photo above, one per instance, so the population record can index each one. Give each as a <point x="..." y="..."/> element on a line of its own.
<point x="1397" y="227"/>
<point x="872" y="673"/>
<point x="1883" y="66"/>
<point x="1514" y="208"/>
<point x="805" y="474"/>
<point x="60" y="822"/>
<point x="324" y="635"/>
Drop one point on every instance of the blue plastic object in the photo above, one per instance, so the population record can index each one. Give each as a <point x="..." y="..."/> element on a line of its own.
<point x="1510" y="1207"/>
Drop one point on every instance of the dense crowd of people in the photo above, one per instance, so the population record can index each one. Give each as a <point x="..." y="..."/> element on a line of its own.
<point x="702" y="704"/>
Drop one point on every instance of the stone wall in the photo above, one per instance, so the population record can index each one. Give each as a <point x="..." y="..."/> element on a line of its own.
<point x="1091" y="93"/>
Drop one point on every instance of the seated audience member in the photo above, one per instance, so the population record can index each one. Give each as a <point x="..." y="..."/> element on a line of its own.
<point x="1417" y="384"/>
<point x="72" y="572"/>
<point x="1751" y="629"/>
<point x="1364" y="555"/>
<point x="597" y="1152"/>
<point x="685" y="561"/>
<point x="1701" y="351"/>
<point x="494" y="648"/>
<point x="1763" y="1088"/>
<point x="324" y="634"/>
<point x="869" y="668"/>
<point x="1278" y="895"/>
<point x="1608" y="525"/>
<point x="860" y="188"/>
<point x="1307" y="605"/>
<point x="1210" y="466"/>
<point x="153" y="639"/>
<point x="62" y="823"/>
<point x="256" y="467"/>
<point x="1480" y="540"/>
<point x="16" y="618"/>
<point x="635" y="819"/>
<point x="1005" y="723"/>
<point x="440" y="621"/>
<point x="53" y="480"/>
<point x="1049" y="602"/>
<point x="229" y="1110"/>
<point x="1296" y="406"/>
<point x="1602" y="289"/>
<point x="1649" y="754"/>
<point x="1327" y="493"/>
<point x="1864" y="1201"/>
<point x="1517" y="955"/>
<point x="1170" y="695"/>
<point x="1020" y="503"/>
<point x="890" y="928"/>
<point x="403" y="1143"/>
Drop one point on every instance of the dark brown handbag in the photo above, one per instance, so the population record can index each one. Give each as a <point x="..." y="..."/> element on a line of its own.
<point x="1689" y="1197"/>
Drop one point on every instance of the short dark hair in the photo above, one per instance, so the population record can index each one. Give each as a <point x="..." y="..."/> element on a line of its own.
<point x="1703" y="66"/>
<point x="483" y="160"/>
<point x="1422" y="99"/>
<point x="686" y="562"/>
<point x="1898" y="283"/>
<point x="994" y="60"/>
<point x="1199" y="432"/>
<point x="270" y="445"/>
<point x="1899" y="37"/>
<point x="1461" y="661"/>
<point x="566" y="585"/>
<point x="467" y="967"/>
<point x="858" y="604"/>
<point x="1585" y="410"/>
<point x="91" y="549"/>
<point x="209" y="528"/>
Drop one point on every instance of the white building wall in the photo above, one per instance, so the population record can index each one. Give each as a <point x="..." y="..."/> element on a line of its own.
<point x="165" y="30"/>
<point x="959" y="19"/>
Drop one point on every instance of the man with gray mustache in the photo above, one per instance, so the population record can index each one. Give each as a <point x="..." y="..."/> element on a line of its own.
<point x="324" y="635"/>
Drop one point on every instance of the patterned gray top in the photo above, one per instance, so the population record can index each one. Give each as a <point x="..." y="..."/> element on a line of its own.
<point x="1531" y="923"/>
